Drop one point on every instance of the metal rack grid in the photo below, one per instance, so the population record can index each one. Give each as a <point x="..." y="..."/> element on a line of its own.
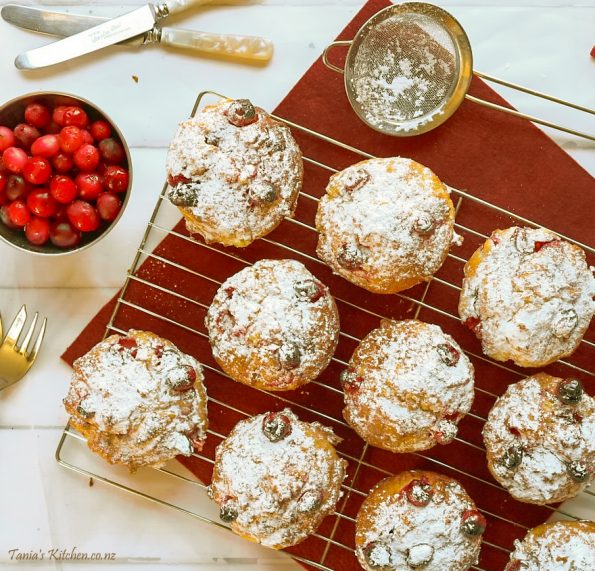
<point x="144" y="252"/>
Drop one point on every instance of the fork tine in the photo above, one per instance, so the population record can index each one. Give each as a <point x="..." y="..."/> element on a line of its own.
<point x="16" y="327"/>
<point x="25" y="344"/>
<point x="33" y="354"/>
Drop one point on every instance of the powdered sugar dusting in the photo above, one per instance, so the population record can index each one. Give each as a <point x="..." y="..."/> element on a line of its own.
<point x="122" y="400"/>
<point x="406" y="388"/>
<point x="273" y="324"/>
<point x="533" y="294"/>
<point x="403" y="73"/>
<point x="410" y="535"/>
<point x="398" y="220"/>
<point x="560" y="546"/>
<point x="551" y="435"/>
<point x="229" y="169"/>
<point x="272" y="484"/>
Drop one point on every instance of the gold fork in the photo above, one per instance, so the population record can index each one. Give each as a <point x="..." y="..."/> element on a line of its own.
<point x="16" y="361"/>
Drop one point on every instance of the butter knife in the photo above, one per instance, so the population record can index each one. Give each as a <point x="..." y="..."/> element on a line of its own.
<point x="139" y="21"/>
<point x="60" y="24"/>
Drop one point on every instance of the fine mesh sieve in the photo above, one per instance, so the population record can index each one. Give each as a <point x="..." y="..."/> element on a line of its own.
<point x="408" y="70"/>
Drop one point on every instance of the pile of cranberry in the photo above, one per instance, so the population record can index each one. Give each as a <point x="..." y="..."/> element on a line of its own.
<point x="60" y="175"/>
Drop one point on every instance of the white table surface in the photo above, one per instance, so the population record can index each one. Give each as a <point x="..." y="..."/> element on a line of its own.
<point x="544" y="45"/>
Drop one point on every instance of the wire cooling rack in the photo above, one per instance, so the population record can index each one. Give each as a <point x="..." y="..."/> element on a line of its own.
<point x="193" y="271"/>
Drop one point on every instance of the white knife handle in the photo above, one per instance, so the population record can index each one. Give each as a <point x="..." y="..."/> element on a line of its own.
<point x="175" y="6"/>
<point x="242" y="47"/>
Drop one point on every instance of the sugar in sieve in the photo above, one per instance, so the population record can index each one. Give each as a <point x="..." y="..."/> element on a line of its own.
<point x="408" y="70"/>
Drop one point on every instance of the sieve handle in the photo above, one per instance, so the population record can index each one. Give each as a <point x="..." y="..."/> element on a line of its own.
<point x="326" y="51"/>
<point x="531" y="118"/>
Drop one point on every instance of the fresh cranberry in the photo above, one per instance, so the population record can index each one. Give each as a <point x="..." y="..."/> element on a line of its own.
<point x="241" y="112"/>
<point x="58" y="115"/>
<point x="63" y="189"/>
<point x="37" y="231"/>
<point x="14" y="159"/>
<point x="26" y="135"/>
<point x="62" y="163"/>
<point x="111" y="151"/>
<point x="19" y="213"/>
<point x="37" y="170"/>
<point x="174" y="180"/>
<point x="63" y="235"/>
<point x="115" y="178"/>
<point x="86" y="157"/>
<point x="350" y="381"/>
<point x="71" y="138"/>
<point x="419" y="492"/>
<point x="3" y="199"/>
<point x="3" y="181"/>
<point x="46" y="146"/>
<point x="472" y="323"/>
<point x="7" y="138"/>
<point x="76" y="116"/>
<point x="89" y="185"/>
<point x="539" y="245"/>
<point x="5" y="218"/>
<point x="184" y="382"/>
<point x="16" y="187"/>
<point x="53" y="128"/>
<point x="83" y="216"/>
<point x="87" y="137"/>
<point x="473" y="523"/>
<point x="128" y="343"/>
<point x="108" y="206"/>
<point x="37" y="115"/>
<point x="42" y="203"/>
<point x="276" y="426"/>
<point x="100" y="130"/>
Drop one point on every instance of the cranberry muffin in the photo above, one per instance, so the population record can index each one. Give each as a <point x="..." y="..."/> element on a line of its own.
<point x="407" y="386"/>
<point x="418" y="519"/>
<point x="558" y="546"/>
<point x="234" y="172"/>
<point x="138" y="400"/>
<point x="540" y="439"/>
<point x="385" y="224"/>
<point x="273" y="325"/>
<point x="528" y="295"/>
<point x="276" y="478"/>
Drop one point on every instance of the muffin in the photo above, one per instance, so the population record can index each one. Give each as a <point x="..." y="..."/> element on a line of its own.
<point x="540" y="439"/>
<point x="559" y="546"/>
<point x="276" y="478"/>
<point x="234" y="172"/>
<point x="407" y="386"/>
<point x="273" y="325"/>
<point x="385" y="224"/>
<point x="138" y="400"/>
<point x="416" y="520"/>
<point x="528" y="295"/>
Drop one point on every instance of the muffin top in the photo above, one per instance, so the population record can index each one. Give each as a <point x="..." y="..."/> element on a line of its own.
<point x="235" y="170"/>
<point x="386" y="224"/>
<point x="409" y="382"/>
<point x="558" y="546"/>
<point x="418" y="519"/>
<point x="540" y="439"/>
<point x="273" y="325"/>
<point x="138" y="399"/>
<point x="276" y="477"/>
<point x="528" y="295"/>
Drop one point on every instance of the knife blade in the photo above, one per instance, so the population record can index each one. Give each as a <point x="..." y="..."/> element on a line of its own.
<point x="111" y="32"/>
<point x="61" y="24"/>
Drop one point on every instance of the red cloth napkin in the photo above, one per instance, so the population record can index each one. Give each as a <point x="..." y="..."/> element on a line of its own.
<point x="502" y="159"/>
